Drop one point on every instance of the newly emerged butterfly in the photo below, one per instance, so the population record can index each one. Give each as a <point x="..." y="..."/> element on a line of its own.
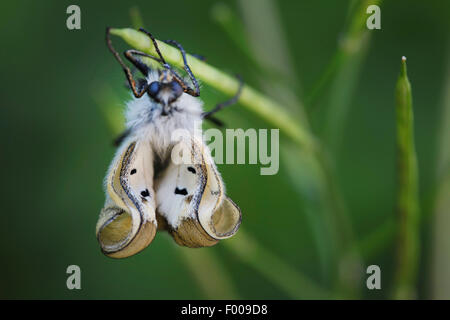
<point x="146" y="190"/>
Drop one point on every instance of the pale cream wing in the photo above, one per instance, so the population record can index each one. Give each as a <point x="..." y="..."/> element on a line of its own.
<point x="191" y="198"/>
<point x="127" y="223"/>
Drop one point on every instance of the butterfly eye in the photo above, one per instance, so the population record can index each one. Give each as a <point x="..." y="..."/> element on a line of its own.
<point x="154" y="88"/>
<point x="177" y="90"/>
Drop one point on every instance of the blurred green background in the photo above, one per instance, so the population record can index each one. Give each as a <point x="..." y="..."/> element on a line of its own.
<point x="57" y="145"/>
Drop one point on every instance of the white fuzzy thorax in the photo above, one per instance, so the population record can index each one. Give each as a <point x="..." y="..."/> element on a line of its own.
<point x="145" y="119"/>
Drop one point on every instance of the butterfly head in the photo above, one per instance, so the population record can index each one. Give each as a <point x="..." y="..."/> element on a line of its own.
<point x="166" y="90"/>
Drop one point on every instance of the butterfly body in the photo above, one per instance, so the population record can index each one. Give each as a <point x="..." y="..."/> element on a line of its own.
<point x="147" y="190"/>
<point x="154" y="122"/>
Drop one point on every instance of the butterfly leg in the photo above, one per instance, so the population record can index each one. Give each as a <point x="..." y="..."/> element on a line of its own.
<point x="118" y="141"/>
<point x="216" y="121"/>
<point x="220" y="106"/>
<point x="141" y="66"/>
<point x="199" y="56"/>
<point x="127" y="70"/>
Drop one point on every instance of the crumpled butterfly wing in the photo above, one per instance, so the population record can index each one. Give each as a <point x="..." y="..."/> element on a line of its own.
<point x="191" y="198"/>
<point x="127" y="223"/>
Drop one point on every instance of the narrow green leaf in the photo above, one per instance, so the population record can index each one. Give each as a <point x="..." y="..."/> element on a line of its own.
<point x="407" y="194"/>
<point x="277" y="77"/>
<point x="344" y="70"/>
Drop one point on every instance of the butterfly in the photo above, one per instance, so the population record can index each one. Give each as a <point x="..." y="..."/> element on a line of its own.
<point x="146" y="188"/>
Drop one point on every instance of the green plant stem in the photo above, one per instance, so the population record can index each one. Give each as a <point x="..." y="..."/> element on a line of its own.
<point x="263" y="26"/>
<point x="236" y="32"/>
<point x="344" y="71"/>
<point x="351" y="43"/>
<point x="265" y="107"/>
<point x="407" y="195"/>
<point x="277" y="77"/>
